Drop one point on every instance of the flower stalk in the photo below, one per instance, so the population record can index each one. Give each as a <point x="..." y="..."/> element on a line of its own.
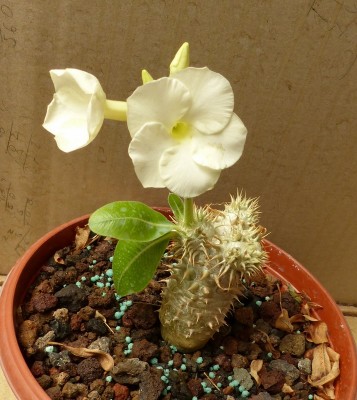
<point x="115" y="110"/>
<point x="188" y="212"/>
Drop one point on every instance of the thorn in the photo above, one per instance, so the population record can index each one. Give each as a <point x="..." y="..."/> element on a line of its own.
<point x="193" y="287"/>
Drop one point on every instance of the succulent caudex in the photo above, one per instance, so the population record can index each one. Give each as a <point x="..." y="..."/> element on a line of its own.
<point x="209" y="259"/>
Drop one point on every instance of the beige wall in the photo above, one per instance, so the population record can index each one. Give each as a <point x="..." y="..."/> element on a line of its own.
<point x="293" y="68"/>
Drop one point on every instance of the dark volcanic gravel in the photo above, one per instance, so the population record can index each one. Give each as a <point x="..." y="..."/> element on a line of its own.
<point x="63" y="305"/>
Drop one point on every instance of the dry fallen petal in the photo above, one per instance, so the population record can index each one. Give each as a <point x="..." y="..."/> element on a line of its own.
<point x="327" y="391"/>
<point x="255" y="367"/>
<point x="283" y="322"/>
<point x="105" y="359"/>
<point x="317" y="332"/>
<point x="325" y="369"/>
<point x="82" y="236"/>
<point x="316" y="397"/>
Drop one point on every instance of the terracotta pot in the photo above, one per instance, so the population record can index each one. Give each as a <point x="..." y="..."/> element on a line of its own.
<point x="282" y="265"/>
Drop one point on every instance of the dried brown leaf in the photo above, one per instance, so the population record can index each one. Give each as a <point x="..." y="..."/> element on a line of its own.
<point x="105" y="359"/>
<point x="255" y="367"/>
<point x="102" y="317"/>
<point x="316" y="332"/>
<point x="58" y="258"/>
<point x="283" y="322"/>
<point x="325" y="369"/>
<point x="82" y="236"/>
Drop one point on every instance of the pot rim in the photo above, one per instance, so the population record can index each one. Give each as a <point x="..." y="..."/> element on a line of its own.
<point x="281" y="264"/>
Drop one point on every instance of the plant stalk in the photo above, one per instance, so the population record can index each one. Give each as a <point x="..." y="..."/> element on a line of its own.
<point x="188" y="212"/>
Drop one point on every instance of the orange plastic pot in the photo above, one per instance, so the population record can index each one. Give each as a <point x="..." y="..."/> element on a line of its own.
<point x="281" y="264"/>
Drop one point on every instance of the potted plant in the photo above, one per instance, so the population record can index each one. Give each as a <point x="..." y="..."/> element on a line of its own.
<point x="184" y="133"/>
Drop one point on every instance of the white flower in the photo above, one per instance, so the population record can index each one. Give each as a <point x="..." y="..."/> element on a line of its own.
<point x="184" y="131"/>
<point x="76" y="112"/>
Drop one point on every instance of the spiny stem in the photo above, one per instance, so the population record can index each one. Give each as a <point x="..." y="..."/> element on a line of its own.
<point x="188" y="211"/>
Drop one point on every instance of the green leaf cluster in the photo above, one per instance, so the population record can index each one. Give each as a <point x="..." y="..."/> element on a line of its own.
<point x="143" y="235"/>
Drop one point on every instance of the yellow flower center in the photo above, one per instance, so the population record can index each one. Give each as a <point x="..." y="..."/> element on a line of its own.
<point x="180" y="131"/>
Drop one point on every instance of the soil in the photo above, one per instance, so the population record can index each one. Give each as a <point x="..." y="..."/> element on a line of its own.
<point x="73" y="301"/>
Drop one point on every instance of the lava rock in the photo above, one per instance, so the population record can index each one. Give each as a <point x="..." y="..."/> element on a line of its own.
<point x="262" y="396"/>
<point x="44" y="381"/>
<point x="54" y="393"/>
<point x="89" y="369"/>
<point x="61" y="328"/>
<point x="143" y="316"/>
<point x="304" y="366"/>
<point x="72" y="297"/>
<point x="239" y="361"/>
<point x="72" y="390"/>
<point x="272" y="381"/>
<point x="96" y="325"/>
<point x="144" y="350"/>
<point x="195" y="387"/>
<point x="102" y="343"/>
<point x="230" y="345"/>
<point x="244" y="316"/>
<point x="28" y="333"/>
<point x="244" y="377"/>
<point x="129" y="371"/>
<point x="59" y="359"/>
<point x="293" y="344"/>
<point x="121" y="392"/>
<point x="291" y="373"/>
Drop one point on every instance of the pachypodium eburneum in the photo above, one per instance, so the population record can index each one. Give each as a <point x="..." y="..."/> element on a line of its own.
<point x="184" y="133"/>
<point x="210" y="257"/>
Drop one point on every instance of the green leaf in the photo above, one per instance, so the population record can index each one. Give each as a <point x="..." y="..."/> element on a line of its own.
<point x="129" y="220"/>
<point x="134" y="264"/>
<point x="176" y="205"/>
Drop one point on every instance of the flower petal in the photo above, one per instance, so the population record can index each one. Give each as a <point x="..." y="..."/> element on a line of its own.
<point x="74" y="136"/>
<point x="220" y="150"/>
<point x="146" y="149"/>
<point x="77" y="80"/>
<point x="76" y="112"/>
<point x="165" y="101"/>
<point x="213" y="99"/>
<point x="182" y="175"/>
<point x="95" y="117"/>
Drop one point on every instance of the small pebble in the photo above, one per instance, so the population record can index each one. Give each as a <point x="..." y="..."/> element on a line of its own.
<point x="108" y="378"/>
<point x="199" y="360"/>
<point x="258" y="303"/>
